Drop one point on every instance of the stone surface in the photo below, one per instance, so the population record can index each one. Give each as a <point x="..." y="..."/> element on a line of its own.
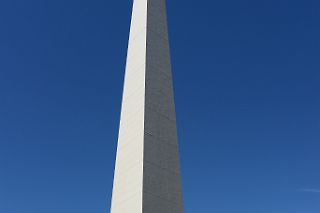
<point x="147" y="172"/>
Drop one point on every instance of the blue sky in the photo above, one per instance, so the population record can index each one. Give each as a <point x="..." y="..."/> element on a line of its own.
<point x="247" y="85"/>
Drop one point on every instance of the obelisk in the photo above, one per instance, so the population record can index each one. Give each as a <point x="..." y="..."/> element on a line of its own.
<point x="147" y="171"/>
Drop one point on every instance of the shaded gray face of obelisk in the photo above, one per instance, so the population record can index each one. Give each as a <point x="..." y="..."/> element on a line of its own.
<point x="147" y="173"/>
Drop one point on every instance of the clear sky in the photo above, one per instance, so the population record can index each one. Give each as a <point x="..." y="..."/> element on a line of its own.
<point x="247" y="87"/>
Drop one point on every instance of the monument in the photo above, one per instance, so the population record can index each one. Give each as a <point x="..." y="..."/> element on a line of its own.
<point x="147" y="171"/>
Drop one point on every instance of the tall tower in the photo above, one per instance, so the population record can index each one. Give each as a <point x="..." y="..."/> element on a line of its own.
<point x="147" y="173"/>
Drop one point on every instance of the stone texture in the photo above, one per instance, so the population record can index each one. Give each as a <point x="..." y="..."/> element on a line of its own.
<point x="147" y="172"/>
